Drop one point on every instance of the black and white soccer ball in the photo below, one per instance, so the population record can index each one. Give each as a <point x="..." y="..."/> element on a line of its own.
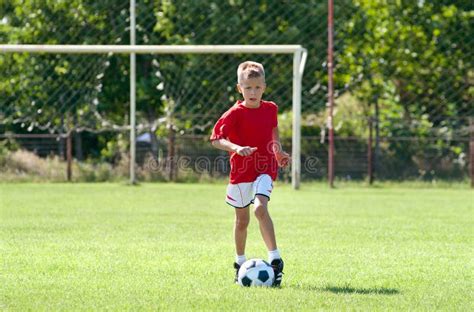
<point x="256" y="272"/>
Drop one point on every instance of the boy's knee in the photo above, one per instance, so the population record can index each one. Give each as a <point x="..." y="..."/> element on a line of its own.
<point x="242" y="223"/>
<point x="260" y="211"/>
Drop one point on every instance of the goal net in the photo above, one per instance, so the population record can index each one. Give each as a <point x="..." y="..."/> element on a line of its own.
<point x="170" y="92"/>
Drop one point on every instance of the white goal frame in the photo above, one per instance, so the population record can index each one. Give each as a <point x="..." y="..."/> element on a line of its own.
<point x="299" y="61"/>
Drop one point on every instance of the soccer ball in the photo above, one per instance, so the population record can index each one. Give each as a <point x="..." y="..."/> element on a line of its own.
<point x="256" y="272"/>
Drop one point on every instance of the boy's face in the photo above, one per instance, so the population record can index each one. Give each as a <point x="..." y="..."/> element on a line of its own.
<point x="252" y="90"/>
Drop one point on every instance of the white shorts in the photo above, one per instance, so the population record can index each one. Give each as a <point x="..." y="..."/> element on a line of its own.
<point x="243" y="194"/>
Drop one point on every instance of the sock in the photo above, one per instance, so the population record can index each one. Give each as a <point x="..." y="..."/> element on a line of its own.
<point x="273" y="254"/>
<point x="240" y="259"/>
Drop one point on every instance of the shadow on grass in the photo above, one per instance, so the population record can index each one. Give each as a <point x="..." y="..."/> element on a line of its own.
<point x="346" y="289"/>
<point x="364" y="291"/>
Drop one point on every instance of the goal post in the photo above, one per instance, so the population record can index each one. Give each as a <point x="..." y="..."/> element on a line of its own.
<point x="299" y="59"/>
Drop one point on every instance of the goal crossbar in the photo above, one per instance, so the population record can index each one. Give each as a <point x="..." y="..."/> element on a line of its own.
<point x="299" y="60"/>
<point x="151" y="49"/>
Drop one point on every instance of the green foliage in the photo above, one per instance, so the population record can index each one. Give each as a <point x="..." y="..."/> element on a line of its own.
<point x="413" y="59"/>
<point x="115" y="149"/>
<point x="7" y="146"/>
<point x="412" y="54"/>
<point x="47" y="90"/>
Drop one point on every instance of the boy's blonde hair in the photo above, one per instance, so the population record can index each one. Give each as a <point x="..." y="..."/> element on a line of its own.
<point x="250" y="69"/>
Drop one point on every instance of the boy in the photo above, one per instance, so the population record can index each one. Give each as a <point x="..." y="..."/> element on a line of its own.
<point x="249" y="132"/>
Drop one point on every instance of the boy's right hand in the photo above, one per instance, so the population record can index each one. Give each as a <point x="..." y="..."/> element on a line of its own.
<point x="245" y="150"/>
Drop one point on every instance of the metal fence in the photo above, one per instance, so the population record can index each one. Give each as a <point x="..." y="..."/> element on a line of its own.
<point x="194" y="158"/>
<point x="404" y="80"/>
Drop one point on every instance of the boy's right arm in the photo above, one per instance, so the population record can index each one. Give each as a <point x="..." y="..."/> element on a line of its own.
<point x="228" y="146"/>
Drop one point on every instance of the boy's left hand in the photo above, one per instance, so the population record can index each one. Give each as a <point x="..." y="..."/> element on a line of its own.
<point x="283" y="159"/>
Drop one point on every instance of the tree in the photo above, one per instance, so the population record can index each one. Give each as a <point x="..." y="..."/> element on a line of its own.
<point x="409" y="55"/>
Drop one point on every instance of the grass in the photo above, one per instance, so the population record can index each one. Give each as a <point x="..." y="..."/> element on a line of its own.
<point x="170" y="247"/>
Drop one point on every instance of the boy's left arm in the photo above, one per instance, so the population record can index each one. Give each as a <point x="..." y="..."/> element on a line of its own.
<point x="282" y="157"/>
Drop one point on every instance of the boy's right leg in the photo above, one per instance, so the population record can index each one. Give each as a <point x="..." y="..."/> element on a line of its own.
<point x="242" y="219"/>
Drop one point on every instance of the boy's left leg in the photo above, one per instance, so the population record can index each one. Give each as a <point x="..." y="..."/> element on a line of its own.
<point x="265" y="221"/>
<point x="268" y="234"/>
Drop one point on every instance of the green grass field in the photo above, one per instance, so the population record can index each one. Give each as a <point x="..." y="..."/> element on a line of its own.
<point x="170" y="247"/>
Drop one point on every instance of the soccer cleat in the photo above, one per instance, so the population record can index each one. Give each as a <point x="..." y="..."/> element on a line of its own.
<point x="277" y="265"/>
<point x="236" y="267"/>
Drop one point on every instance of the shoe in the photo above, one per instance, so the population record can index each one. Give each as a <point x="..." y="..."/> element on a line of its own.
<point x="277" y="265"/>
<point x="236" y="267"/>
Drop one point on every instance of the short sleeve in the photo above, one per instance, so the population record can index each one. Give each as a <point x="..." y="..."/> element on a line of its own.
<point x="224" y="126"/>
<point x="274" y="115"/>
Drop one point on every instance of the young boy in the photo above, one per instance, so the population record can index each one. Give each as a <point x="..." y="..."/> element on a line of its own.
<point x="249" y="132"/>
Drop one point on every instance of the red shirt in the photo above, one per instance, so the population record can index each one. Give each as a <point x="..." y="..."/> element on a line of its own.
<point x="252" y="127"/>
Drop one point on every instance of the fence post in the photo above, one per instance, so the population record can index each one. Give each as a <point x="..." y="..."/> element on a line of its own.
<point x="471" y="149"/>
<point x="171" y="154"/>
<point x="61" y="153"/>
<point x="133" y="86"/>
<point x="330" y="92"/>
<point x="369" y="154"/>
<point x="69" y="155"/>
<point x="377" y="157"/>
